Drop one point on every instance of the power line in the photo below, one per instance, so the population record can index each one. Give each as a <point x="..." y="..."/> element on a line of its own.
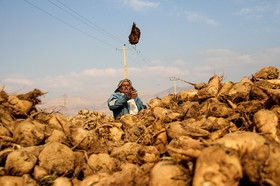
<point x="88" y="23"/>
<point x="133" y="60"/>
<point x="57" y="18"/>
<point x="98" y="27"/>
<point x="85" y="21"/>
<point x="144" y="58"/>
<point x="131" y="57"/>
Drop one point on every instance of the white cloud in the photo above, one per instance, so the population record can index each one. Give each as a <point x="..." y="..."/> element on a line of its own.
<point x="195" y="17"/>
<point x="139" y="4"/>
<point x="198" y="69"/>
<point x="93" y="80"/>
<point x="246" y="59"/>
<point x="234" y="64"/>
<point x="269" y="56"/>
<point x="257" y="9"/>
<point x="224" y="58"/>
<point x="179" y="62"/>
<point x="204" y="68"/>
<point x="158" y="62"/>
<point x="101" y="72"/>
<point x="218" y="52"/>
<point x="163" y="71"/>
<point x="19" y="81"/>
<point x="203" y="71"/>
<point x="219" y="58"/>
<point x="258" y="12"/>
<point x="277" y="11"/>
<point x="14" y="83"/>
<point x="58" y="82"/>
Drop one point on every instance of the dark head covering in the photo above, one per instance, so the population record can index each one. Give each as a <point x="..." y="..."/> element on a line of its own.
<point x="121" y="82"/>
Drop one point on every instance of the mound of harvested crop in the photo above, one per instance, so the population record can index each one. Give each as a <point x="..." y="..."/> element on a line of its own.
<point x="216" y="134"/>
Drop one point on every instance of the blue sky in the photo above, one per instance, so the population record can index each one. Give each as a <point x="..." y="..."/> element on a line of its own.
<point x="75" y="47"/>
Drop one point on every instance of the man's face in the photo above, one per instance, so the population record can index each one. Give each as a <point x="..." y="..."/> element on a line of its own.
<point x="125" y="87"/>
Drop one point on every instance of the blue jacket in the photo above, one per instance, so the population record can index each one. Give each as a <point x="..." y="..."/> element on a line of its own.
<point x="118" y="104"/>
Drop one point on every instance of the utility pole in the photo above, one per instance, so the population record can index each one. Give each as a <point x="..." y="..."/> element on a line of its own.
<point x="174" y="79"/>
<point x="124" y="60"/>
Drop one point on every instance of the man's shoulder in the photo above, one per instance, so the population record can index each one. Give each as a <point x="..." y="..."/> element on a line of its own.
<point x="116" y="94"/>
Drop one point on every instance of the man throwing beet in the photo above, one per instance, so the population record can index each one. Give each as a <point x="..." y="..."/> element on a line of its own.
<point x="124" y="100"/>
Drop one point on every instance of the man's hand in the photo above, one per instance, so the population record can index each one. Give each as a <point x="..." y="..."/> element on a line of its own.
<point x="132" y="94"/>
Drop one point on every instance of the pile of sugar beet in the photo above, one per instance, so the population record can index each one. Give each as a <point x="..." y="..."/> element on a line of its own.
<point x="216" y="134"/>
